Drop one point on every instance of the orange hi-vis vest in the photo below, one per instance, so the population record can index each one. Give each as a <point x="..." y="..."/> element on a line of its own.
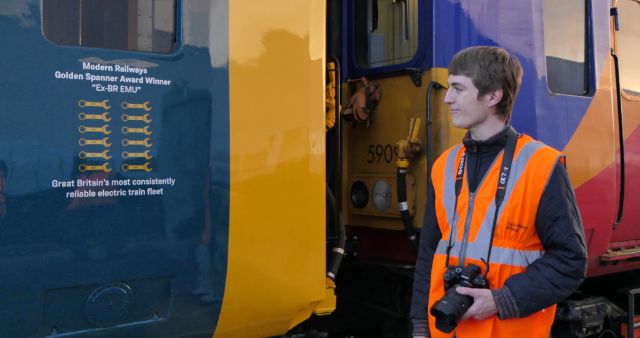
<point x="515" y="244"/>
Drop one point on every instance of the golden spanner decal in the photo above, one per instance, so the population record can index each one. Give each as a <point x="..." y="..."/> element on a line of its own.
<point x="104" y="129"/>
<point x="146" y="142"/>
<point x="146" y="118"/>
<point x="104" y="167"/>
<point x="128" y="105"/>
<point x="105" y="155"/>
<point x="132" y="167"/>
<point x="103" y="142"/>
<point x="146" y="130"/>
<point x="146" y="155"/>
<point x="103" y="104"/>
<point x="104" y="117"/>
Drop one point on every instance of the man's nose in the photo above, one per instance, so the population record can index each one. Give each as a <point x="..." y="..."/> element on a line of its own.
<point x="448" y="97"/>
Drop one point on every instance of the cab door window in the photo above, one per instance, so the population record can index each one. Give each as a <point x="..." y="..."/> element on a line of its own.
<point x="628" y="45"/>
<point x="143" y="25"/>
<point x="385" y="32"/>
<point x="565" y="41"/>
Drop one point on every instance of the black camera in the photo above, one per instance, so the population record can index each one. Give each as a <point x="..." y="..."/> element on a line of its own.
<point x="450" y="308"/>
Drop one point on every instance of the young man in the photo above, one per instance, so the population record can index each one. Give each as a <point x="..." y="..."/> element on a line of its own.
<point x="500" y="201"/>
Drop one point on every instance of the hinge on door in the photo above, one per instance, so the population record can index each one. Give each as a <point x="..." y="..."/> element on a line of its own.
<point x="614" y="13"/>
<point x="416" y="76"/>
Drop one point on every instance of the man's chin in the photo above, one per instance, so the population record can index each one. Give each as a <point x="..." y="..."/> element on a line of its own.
<point x="460" y="125"/>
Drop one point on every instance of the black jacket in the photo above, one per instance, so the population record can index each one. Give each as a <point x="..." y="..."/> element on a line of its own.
<point x="546" y="281"/>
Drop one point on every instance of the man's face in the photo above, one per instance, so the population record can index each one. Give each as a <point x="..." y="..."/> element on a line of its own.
<point x="467" y="110"/>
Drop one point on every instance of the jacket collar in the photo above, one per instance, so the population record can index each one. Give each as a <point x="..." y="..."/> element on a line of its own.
<point x="493" y="144"/>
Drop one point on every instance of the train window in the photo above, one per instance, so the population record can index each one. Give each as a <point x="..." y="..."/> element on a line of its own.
<point x="565" y="41"/>
<point x="386" y="32"/>
<point x="628" y="45"/>
<point x="143" y="25"/>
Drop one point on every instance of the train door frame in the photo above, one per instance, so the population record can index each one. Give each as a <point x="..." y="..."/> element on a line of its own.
<point x="627" y="102"/>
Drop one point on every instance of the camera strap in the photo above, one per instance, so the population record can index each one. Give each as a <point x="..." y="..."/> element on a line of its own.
<point x="503" y="179"/>
<point x="507" y="160"/>
<point x="458" y="187"/>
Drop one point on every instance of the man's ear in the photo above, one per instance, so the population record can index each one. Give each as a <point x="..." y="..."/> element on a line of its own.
<point x="494" y="97"/>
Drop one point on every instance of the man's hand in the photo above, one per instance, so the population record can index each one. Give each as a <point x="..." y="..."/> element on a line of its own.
<point x="483" y="304"/>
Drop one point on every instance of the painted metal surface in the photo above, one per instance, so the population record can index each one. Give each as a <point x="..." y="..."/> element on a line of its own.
<point x="90" y="249"/>
<point x="276" y="264"/>
<point x="193" y="203"/>
<point x="371" y="154"/>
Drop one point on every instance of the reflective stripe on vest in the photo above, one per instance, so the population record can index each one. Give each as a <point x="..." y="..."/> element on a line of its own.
<point x="479" y="248"/>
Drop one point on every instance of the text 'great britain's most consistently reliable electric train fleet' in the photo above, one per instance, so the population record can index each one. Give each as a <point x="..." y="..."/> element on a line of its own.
<point x="182" y="168"/>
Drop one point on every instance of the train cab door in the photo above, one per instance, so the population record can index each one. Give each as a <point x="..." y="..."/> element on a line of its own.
<point x="626" y="53"/>
<point x="386" y="45"/>
<point x="386" y="42"/>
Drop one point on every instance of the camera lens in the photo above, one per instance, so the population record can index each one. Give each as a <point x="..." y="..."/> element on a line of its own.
<point x="450" y="309"/>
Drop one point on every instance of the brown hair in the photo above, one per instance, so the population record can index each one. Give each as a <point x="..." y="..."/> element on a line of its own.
<point x="490" y="68"/>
